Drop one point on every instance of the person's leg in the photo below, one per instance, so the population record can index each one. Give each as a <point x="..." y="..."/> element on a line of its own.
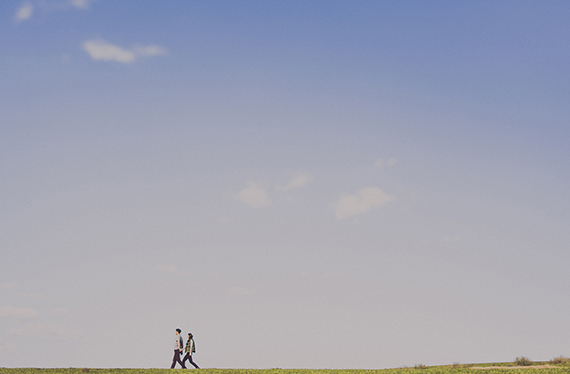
<point x="192" y="362"/>
<point x="186" y="358"/>
<point x="174" y="358"/>
<point x="180" y="362"/>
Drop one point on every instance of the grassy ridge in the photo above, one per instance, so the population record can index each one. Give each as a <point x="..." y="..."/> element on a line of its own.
<point x="450" y="369"/>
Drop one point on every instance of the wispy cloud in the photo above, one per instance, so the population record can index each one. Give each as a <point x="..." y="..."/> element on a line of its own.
<point x="100" y="50"/>
<point x="80" y="4"/>
<point x="8" y="286"/>
<point x="225" y="219"/>
<point x="240" y="291"/>
<point x="381" y="163"/>
<point x="8" y="346"/>
<point x="297" y="181"/>
<point x="361" y="202"/>
<point x="27" y="9"/>
<point x="254" y="196"/>
<point x="103" y="51"/>
<point x="31" y="295"/>
<point x="450" y="239"/>
<point x="172" y="269"/>
<point x="59" y="311"/>
<point x="148" y="50"/>
<point x="24" y="12"/>
<point x="45" y="329"/>
<point x="19" y="313"/>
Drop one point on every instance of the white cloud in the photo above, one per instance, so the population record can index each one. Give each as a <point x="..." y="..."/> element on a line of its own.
<point x="20" y="313"/>
<point x="27" y="9"/>
<point x="361" y="202"/>
<point x="24" y="12"/>
<point x="45" y="329"/>
<point x="80" y="4"/>
<point x="101" y="50"/>
<point x="299" y="180"/>
<point x="149" y="50"/>
<point x="254" y="196"/>
<point x="381" y="163"/>
<point x="240" y="291"/>
<point x="8" y="286"/>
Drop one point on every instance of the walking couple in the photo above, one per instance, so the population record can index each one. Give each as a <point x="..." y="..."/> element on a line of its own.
<point x="189" y="349"/>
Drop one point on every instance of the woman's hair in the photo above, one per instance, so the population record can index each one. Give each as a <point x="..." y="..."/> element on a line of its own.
<point x="190" y="335"/>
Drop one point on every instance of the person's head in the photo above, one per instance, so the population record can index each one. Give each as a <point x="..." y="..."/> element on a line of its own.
<point x="178" y="331"/>
<point x="190" y="336"/>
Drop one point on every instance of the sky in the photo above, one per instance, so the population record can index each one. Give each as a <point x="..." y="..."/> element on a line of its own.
<point x="300" y="184"/>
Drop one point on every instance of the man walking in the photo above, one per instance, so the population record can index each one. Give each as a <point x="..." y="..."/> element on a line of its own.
<point x="177" y="349"/>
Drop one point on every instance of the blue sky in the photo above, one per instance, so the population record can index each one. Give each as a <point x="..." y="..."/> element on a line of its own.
<point x="301" y="184"/>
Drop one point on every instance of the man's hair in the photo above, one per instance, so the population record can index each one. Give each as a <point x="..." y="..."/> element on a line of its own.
<point x="179" y="331"/>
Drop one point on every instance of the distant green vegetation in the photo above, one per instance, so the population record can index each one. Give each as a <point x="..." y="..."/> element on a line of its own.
<point x="520" y="365"/>
<point x="428" y="370"/>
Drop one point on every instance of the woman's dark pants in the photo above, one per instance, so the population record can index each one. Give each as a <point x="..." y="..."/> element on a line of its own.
<point x="189" y="358"/>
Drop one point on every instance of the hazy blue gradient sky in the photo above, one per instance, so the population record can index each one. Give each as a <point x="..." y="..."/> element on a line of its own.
<point x="301" y="184"/>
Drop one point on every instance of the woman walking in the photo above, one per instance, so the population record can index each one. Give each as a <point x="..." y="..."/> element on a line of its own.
<point x="190" y="348"/>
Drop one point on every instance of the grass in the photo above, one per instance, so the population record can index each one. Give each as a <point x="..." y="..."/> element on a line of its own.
<point x="562" y="365"/>
<point x="427" y="370"/>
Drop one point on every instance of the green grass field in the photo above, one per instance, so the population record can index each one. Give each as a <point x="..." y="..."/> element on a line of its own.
<point x="535" y="368"/>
